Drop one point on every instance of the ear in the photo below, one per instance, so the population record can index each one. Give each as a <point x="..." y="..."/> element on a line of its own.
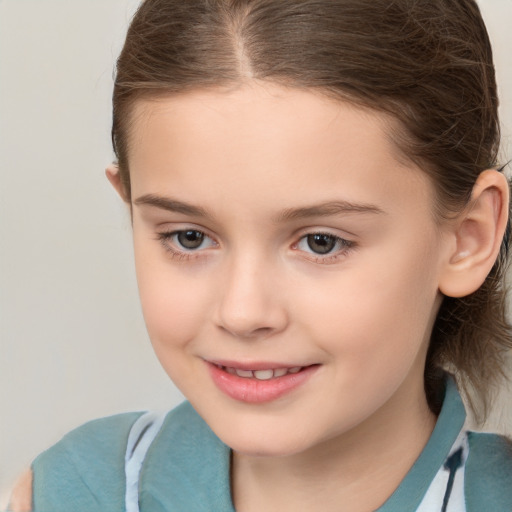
<point x="477" y="235"/>
<point x="114" y="176"/>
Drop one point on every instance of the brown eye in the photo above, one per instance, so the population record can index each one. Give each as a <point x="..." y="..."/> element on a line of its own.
<point x="190" y="239"/>
<point x="321" y="244"/>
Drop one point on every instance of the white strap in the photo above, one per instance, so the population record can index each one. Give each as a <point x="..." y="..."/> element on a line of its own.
<point x="142" y="434"/>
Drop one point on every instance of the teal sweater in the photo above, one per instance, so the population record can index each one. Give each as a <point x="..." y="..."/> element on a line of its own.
<point x="187" y="467"/>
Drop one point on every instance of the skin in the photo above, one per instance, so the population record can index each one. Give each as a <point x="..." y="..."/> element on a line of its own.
<point x="255" y="291"/>
<point x="21" y="499"/>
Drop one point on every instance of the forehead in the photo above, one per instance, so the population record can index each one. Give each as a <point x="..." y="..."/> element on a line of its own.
<point x="260" y="112"/>
<point x="267" y="139"/>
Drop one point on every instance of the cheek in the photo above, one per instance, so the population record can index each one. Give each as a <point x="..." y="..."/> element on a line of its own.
<point x="173" y="302"/>
<point x="379" y="307"/>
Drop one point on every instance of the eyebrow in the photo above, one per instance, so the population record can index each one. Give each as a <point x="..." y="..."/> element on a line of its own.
<point x="326" y="209"/>
<point x="172" y="205"/>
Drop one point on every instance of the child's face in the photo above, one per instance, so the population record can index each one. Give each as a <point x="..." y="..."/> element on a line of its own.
<point x="229" y="190"/>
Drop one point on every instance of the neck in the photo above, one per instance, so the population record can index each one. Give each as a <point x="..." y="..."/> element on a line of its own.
<point x="355" y="471"/>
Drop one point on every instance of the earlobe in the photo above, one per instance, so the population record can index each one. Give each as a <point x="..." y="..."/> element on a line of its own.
<point x="478" y="234"/>
<point x="113" y="175"/>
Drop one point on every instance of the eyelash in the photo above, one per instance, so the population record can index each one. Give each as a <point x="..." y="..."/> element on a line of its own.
<point x="345" y="246"/>
<point x="166" y="239"/>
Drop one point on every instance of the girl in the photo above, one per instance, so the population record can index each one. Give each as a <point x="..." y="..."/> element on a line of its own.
<point x="319" y="224"/>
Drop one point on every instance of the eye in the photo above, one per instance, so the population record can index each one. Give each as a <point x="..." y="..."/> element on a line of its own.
<point x="320" y="243"/>
<point x="324" y="244"/>
<point x="190" y="239"/>
<point x="185" y="241"/>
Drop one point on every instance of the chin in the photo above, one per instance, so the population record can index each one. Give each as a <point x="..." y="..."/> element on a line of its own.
<point x="266" y="445"/>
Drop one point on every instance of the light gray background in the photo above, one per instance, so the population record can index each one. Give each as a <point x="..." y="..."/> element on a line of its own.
<point x="72" y="340"/>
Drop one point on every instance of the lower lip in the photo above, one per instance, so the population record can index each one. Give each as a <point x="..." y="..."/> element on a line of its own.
<point x="252" y="390"/>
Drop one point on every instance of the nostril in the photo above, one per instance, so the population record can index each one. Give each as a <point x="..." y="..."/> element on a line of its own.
<point x="261" y="331"/>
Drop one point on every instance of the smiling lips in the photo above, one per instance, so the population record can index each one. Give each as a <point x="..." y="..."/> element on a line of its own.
<point x="258" y="385"/>
<point x="261" y="374"/>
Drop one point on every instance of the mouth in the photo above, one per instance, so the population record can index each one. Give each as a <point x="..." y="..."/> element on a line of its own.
<point x="258" y="383"/>
<point x="267" y="374"/>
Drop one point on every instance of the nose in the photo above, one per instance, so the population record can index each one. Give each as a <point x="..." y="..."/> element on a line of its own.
<point x="250" y="303"/>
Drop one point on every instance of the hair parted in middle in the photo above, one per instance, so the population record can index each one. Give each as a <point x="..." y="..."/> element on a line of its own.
<point x="426" y="64"/>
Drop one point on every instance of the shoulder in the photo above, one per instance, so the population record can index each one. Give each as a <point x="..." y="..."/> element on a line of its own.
<point x="85" y="469"/>
<point x="105" y="437"/>
<point x="489" y="473"/>
<point x="490" y="454"/>
<point x="89" y="468"/>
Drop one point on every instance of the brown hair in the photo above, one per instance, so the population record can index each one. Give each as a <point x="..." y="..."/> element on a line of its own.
<point x="427" y="63"/>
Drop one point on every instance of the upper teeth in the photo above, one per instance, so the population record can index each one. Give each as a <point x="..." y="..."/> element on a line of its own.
<point x="262" y="374"/>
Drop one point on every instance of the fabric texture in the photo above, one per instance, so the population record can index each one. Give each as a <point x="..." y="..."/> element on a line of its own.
<point x="84" y="472"/>
<point x="186" y="468"/>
